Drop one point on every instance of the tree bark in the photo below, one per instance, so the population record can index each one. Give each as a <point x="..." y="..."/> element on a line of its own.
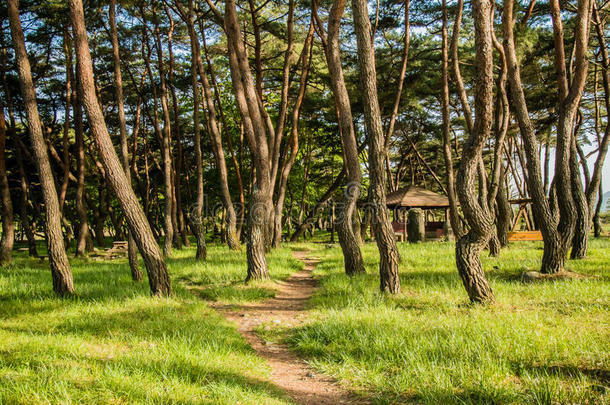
<point x="158" y="277"/>
<point x="454" y="217"/>
<point x="384" y="234"/>
<point x="196" y="216"/>
<point x="352" y="255"/>
<point x="136" y="273"/>
<point x="219" y="155"/>
<point x="58" y="260"/>
<point x="167" y="144"/>
<point x="255" y="131"/>
<point x="8" y="220"/>
<point x="555" y="231"/>
<point x="476" y="210"/>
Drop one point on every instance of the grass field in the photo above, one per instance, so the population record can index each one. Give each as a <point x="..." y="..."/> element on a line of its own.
<point x="541" y="343"/>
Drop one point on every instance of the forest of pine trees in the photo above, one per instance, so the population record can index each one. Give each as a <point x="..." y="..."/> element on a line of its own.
<point x="255" y="123"/>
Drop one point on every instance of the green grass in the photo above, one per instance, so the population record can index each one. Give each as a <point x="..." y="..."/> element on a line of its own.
<point x="113" y="343"/>
<point x="541" y="343"/>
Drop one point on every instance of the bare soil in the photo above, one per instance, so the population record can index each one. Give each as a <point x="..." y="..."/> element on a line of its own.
<point x="288" y="309"/>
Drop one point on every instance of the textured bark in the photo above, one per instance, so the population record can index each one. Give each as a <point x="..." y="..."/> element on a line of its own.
<point x="569" y="99"/>
<point x="58" y="260"/>
<point x="476" y="210"/>
<point x="582" y="226"/>
<point x="555" y="231"/>
<point x="597" y="222"/>
<point x="352" y="256"/>
<point x="158" y="277"/>
<point x="504" y="216"/>
<point x="136" y="273"/>
<point x="255" y="132"/>
<point x="454" y="217"/>
<point x="384" y="234"/>
<point x="6" y="205"/>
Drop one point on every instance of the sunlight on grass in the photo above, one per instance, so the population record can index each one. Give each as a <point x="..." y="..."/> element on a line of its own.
<point x="541" y="343"/>
<point x="113" y="343"/>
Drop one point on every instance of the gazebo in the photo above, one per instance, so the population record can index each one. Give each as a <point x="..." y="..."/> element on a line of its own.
<point x="409" y="197"/>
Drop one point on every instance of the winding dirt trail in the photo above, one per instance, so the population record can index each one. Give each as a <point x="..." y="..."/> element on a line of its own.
<point x="288" y="372"/>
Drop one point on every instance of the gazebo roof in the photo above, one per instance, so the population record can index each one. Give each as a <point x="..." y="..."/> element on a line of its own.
<point x="416" y="197"/>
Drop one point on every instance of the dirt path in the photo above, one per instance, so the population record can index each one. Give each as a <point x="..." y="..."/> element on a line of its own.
<point x="288" y="372"/>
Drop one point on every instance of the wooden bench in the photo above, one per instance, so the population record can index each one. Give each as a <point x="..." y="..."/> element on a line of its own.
<point x="524" y="236"/>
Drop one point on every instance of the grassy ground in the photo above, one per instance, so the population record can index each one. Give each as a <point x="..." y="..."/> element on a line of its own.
<point x="113" y="343"/>
<point x="541" y="343"/>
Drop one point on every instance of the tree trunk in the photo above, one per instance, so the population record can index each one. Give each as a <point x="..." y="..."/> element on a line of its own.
<point x="255" y="131"/>
<point x="557" y="229"/>
<point x="196" y="216"/>
<point x="454" y="217"/>
<point x="8" y="220"/>
<point x="136" y="273"/>
<point x="352" y="256"/>
<point x="180" y="238"/>
<point x="504" y="216"/>
<point x="291" y="153"/>
<point x="384" y="234"/>
<point x="158" y="277"/>
<point x="167" y="145"/>
<point x="580" y="240"/>
<point x="81" y="211"/>
<point x="219" y="155"/>
<point x="477" y="210"/>
<point x="58" y="260"/>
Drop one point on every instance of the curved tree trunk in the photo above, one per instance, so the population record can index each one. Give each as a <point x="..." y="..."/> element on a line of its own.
<point x="384" y="234"/>
<point x="58" y="260"/>
<point x="136" y="273"/>
<point x="454" y="217"/>
<point x="556" y="226"/>
<point x="580" y="240"/>
<point x="255" y="131"/>
<point x="352" y="256"/>
<point x="476" y="210"/>
<point x="158" y="278"/>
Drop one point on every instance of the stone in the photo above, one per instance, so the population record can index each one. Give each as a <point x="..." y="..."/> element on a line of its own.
<point x="416" y="228"/>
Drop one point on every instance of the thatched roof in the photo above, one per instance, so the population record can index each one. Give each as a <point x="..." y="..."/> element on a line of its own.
<point x="416" y="197"/>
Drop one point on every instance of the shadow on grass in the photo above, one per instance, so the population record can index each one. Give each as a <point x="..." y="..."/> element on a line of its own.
<point x="235" y="291"/>
<point x="567" y="371"/>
